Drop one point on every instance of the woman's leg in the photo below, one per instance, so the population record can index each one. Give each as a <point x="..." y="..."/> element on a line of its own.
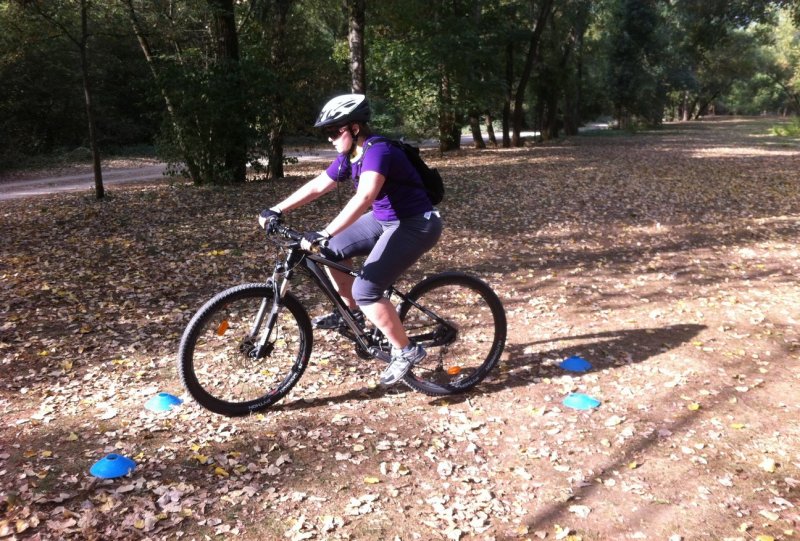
<point x="356" y="240"/>
<point x="384" y="316"/>
<point x="343" y="283"/>
<point x="399" y="247"/>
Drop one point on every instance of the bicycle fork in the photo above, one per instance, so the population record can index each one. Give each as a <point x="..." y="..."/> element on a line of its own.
<point x="279" y="283"/>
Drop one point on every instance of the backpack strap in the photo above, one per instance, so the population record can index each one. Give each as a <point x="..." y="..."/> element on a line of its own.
<point x="372" y="141"/>
<point x="396" y="144"/>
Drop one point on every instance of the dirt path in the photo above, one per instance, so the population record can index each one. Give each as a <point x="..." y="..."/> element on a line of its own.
<point x="115" y="173"/>
<point x="15" y="189"/>
<point x="120" y="172"/>
<point x="668" y="260"/>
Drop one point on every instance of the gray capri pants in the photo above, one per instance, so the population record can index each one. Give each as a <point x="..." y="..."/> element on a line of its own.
<point x="391" y="248"/>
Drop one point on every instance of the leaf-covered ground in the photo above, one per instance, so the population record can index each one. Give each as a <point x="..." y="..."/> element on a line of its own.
<point x="669" y="260"/>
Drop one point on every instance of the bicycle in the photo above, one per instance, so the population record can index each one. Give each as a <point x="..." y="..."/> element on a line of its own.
<point x="250" y="344"/>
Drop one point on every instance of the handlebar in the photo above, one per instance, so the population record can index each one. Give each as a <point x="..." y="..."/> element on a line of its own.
<point x="276" y="228"/>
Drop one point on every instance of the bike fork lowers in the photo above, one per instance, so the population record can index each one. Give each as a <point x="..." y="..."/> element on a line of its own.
<point x="279" y="284"/>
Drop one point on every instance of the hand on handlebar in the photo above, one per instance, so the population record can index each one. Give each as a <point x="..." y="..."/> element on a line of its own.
<point x="269" y="218"/>
<point x="313" y="240"/>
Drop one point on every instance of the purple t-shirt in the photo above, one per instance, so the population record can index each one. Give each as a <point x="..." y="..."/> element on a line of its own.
<point x="402" y="194"/>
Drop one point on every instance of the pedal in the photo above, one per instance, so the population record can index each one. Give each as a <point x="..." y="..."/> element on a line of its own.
<point x="384" y="356"/>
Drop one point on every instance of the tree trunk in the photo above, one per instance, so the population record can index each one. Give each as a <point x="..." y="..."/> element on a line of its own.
<point x="475" y="128"/>
<point x="551" y="124"/>
<point x="509" y="94"/>
<point x="571" y="116"/>
<point x="82" y="43"/>
<point x="449" y="130"/>
<point x="278" y="121"/>
<point x="572" y="105"/>
<point x="191" y="164"/>
<point x="533" y="54"/>
<point x="623" y="118"/>
<point x="552" y="121"/>
<point x="228" y="58"/>
<point x="490" y="129"/>
<point x="538" y="116"/>
<point x="692" y="108"/>
<point x="87" y="94"/>
<point x="685" y="112"/>
<point x="702" y="110"/>
<point x="358" y="74"/>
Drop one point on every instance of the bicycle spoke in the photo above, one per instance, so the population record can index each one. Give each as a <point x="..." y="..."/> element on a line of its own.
<point x="222" y="367"/>
<point x="466" y="345"/>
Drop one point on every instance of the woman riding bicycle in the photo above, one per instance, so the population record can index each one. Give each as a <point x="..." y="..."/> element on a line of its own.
<point x="400" y="227"/>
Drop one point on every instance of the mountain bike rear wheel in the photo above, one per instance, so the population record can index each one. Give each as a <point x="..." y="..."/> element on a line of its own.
<point x="219" y="359"/>
<point x="461" y="323"/>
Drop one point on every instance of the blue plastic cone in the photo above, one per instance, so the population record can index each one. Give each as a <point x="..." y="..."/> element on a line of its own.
<point x="112" y="466"/>
<point x="163" y="402"/>
<point x="580" y="401"/>
<point x="575" y="364"/>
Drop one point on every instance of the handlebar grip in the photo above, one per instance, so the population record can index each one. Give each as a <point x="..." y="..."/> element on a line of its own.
<point x="296" y="236"/>
<point x="290" y="233"/>
<point x="276" y="228"/>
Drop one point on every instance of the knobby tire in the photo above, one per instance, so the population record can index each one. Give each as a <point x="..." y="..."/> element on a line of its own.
<point x="215" y="356"/>
<point x="465" y="350"/>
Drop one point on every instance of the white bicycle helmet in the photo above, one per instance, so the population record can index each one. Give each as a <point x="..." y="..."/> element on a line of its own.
<point x="343" y="110"/>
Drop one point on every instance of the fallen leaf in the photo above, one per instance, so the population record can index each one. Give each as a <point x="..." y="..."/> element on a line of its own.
<point x="580" y="510"/>
<point x="768" y="465"/>
<point x="769" y="515"/>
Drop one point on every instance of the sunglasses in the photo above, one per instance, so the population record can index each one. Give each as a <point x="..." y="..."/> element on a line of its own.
<point x="334" y="133"/>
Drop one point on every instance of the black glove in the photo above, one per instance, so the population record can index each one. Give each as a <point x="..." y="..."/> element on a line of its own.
<point x="314" y="238"/>
<point x="269" y="218"/>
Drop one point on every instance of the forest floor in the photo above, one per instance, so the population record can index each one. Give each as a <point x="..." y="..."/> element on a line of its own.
<point x="668" y="259"/>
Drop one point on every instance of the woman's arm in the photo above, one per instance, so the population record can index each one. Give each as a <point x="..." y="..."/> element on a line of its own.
<point x="309" y="191"/>
<point x="369" y="185"/>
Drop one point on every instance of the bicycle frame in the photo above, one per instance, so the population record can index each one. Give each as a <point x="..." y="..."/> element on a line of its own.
<point x="311" y="264"/>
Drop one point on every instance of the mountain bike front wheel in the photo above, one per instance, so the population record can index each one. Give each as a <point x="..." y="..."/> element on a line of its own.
<point x="461" y="323"/>
<point x="223" y="362"/>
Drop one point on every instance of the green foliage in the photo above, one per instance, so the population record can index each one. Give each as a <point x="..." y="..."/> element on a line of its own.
<point x="435" y="63"/>
<point x="772" y="84"/>
<point x="42" y="107"/>
<point x="635" y="79"/>
<point x="204" y="100"/>
<point x="430" y="67"/>
<point x="718" y="54"/>
<point x="791" y="129"/>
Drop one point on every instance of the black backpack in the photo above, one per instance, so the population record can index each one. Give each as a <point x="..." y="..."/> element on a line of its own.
<point x="431" y="178"/>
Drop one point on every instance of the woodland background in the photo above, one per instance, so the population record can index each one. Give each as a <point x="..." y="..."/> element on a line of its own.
<point x="216" y="85"/>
